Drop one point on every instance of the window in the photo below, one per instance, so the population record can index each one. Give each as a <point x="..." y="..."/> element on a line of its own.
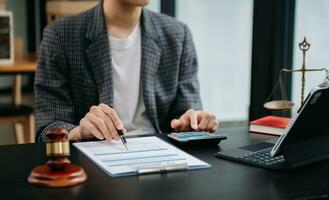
<point x="222" y="32"/>
<point x="311" y="21"/>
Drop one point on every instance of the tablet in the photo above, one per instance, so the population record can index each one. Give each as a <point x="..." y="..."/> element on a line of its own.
<point x="310" y="122"/>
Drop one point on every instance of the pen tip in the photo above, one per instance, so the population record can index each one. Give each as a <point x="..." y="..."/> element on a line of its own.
<point x="126" y="147"/>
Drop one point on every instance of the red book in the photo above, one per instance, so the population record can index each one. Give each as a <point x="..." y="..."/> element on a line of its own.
<point x="269" y="125"/>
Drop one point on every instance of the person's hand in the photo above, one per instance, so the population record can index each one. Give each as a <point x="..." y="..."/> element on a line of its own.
<point x="195" y="120"/>
<point x="101" y="122"/>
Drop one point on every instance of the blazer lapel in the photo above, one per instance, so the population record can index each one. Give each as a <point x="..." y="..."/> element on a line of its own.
<point x="151" y="54"/>
<point x="99" y="56"/>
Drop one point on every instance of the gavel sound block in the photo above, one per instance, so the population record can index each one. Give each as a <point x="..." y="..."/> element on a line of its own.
<point x="58" y="172"/>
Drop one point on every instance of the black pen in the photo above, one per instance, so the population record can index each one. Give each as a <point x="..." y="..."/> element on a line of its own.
<point x="123" y="139"/>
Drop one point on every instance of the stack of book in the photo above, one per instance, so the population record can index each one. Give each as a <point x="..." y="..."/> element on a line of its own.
<point x="272" y="125"/>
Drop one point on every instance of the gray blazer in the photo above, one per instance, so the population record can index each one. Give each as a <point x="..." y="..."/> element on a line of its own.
<point x="74" y="70"/>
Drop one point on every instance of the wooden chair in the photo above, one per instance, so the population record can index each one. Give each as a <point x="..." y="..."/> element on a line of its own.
<point x="14" y="112"/>
<point x="20" y="116"/>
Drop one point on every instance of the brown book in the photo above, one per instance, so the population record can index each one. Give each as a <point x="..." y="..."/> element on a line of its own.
<point x="272" y="125"/>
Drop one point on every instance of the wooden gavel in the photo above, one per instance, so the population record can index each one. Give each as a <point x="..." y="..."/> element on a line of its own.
<point x="58" y="172"/>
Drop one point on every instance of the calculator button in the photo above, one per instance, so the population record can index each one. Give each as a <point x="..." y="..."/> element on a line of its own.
<point x="182" y="136"/>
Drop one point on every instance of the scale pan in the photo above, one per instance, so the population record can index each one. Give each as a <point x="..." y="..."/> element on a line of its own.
<point x="281" y="105"/>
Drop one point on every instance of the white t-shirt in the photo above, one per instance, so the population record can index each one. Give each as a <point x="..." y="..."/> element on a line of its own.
<point x="128" y="97"/>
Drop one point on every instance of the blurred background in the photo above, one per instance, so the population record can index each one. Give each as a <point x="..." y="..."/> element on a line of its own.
<point x="241" y="46"/>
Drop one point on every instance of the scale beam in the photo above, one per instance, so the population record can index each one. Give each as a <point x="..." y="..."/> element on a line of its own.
<point x="284" y="104"/>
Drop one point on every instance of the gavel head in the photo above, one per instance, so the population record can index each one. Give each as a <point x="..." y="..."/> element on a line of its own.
<point x="57" y="148"/>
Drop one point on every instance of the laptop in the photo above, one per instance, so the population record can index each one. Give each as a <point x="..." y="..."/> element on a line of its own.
<point x="304" y="141"/>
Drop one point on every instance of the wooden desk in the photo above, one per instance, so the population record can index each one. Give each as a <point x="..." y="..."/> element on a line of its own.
<point x="225" y="180"/>
<point x="28" y="65"/>
<point x="23" y="66"/>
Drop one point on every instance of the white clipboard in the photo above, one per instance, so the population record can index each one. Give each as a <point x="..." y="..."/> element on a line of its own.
<point x="144" y="155"/>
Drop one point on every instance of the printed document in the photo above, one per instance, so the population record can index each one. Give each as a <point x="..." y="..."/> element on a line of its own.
<point x="145" y="154"/>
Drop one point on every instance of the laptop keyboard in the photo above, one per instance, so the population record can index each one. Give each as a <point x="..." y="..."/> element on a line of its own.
<point x="263" y="157"/>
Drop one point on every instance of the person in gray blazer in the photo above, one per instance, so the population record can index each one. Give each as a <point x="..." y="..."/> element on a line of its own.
<point x="118" y="66"/>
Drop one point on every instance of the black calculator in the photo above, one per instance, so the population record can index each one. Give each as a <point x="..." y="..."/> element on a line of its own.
<point x="184" y="137"/>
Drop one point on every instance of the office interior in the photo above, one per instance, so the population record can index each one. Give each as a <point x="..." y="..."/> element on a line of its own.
<point x="241" y="45"/>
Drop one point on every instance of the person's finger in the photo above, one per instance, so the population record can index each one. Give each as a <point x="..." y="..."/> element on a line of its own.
<point x="99" y="124"/>
<point x="203" y="122"/>
<point x="211" y="122"/>
<point x="124" y="130"/>
<point x="90" y="128"/>
<point x="113" y="115"/>
<point x="177" y="124"/>
<point x="215" y="127"/>
<point x="113" y="131"/>
<point x="210" y="125"/>
<point x="115" y="121"/>
<point x="107" y="120"/>
<point x="174" y="123"/>
<point x="193" y="119"/>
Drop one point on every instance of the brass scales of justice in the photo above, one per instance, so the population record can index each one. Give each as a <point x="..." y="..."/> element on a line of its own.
<point x="285" y="104"/>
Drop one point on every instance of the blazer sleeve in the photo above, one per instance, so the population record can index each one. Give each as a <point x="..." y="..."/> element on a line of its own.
<point x="188" y="89"/>
<point x="54" y="106"/>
